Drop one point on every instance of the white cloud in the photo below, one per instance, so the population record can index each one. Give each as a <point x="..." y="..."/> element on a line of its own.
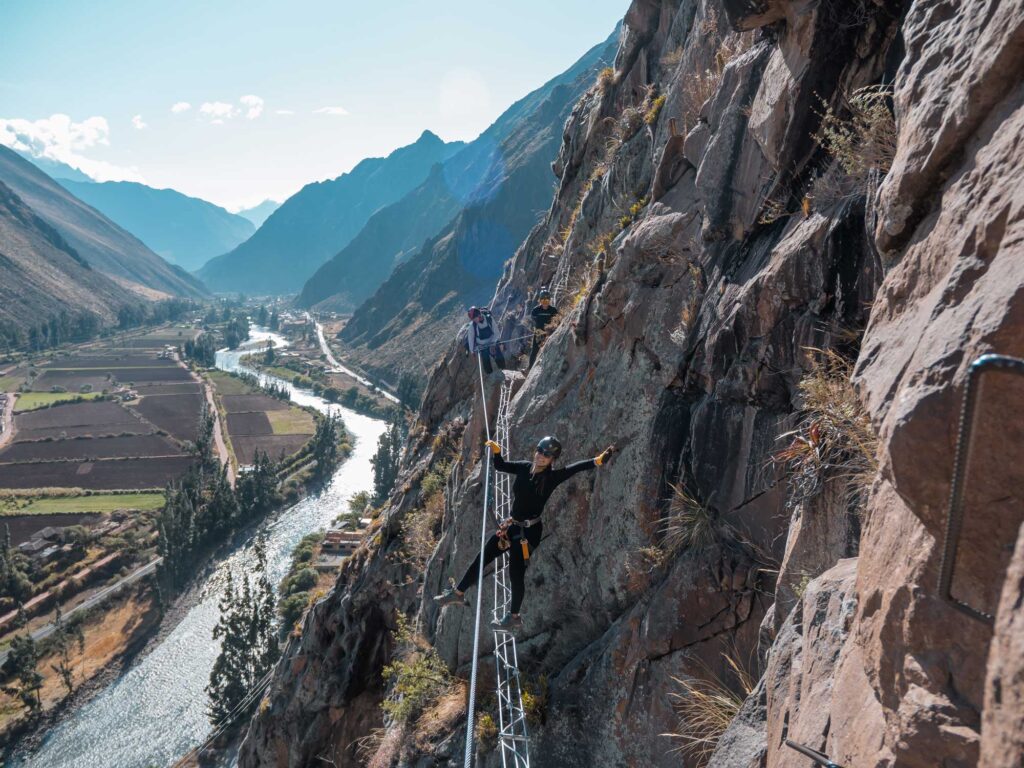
<point x="137" y="122"/>
<point x="58" y="137"/>
<point x="217" y="111"/>
<point x="253" y="105"/>
<point x="284" y="112"/>
<point x="331" y="111"/>
<point x="181" y="106"/>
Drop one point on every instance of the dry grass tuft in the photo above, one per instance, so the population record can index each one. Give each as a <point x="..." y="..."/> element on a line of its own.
<point x="689" y="524"/>
<point x="441" y="717"/>
<point x="865" y="141"/>
<point x="700" y="87"/>
<point x="861" y="146"/>
<point x="834" y="437"/>
<point x="705" y="708"/>
<point x="672" y="59"/>
<point x="606" y="78"/>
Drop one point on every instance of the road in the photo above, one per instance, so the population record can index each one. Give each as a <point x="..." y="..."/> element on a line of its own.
<point x="43" y="632"/>
<point x="218" y="433"/>
<point x="341" y="368"/>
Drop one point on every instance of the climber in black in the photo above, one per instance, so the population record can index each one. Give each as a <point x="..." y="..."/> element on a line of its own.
<point x="534" y="483"/>
<point x="482" y="338"/>
<point x="542" y="315"/>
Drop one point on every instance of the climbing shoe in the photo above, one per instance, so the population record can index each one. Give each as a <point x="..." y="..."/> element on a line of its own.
<point x="450" y="597"/>
<point x="508" y="622"/>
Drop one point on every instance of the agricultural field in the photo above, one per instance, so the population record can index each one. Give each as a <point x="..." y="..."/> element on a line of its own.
<point x="258" y="422"/>
<point x="79" y="505"/>
<point x="106" y="474"/>
<point x="31" y="401"/>
<point x="175" y="414"/>
<point x="138" y="410"/>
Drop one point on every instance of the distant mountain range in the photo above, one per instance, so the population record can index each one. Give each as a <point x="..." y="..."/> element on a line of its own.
<point x="100" y="243"/>
<point x="184" y="230"/>
<point x="321" y="219"/>
<point x="502" y="182"/>
<point x="259" y="213"/>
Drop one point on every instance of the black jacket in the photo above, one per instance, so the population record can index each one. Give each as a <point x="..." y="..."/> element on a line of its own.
<point x="541" y="316"/>
<point x="531" y="492"/>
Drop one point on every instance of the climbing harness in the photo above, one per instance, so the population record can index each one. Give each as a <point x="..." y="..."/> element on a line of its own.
<point x="512" y="732"/>
<point x="955" y="513"/>
<point x="819" y="757"/>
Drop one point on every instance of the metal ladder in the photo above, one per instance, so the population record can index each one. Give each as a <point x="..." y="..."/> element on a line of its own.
<point x="513" y="739"/>
<point x="561" y="279"/>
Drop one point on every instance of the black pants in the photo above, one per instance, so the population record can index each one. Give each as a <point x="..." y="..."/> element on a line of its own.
<point x="516" y="563"/>
<point x="485" y="358"/>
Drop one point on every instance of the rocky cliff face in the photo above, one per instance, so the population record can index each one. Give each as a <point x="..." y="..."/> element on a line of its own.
<point x="725" y="275"/>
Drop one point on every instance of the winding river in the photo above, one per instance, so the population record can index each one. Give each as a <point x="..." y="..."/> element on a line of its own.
<point x="156" y="711"/>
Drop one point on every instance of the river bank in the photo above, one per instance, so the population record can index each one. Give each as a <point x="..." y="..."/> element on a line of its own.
<point x="126" y="724"/>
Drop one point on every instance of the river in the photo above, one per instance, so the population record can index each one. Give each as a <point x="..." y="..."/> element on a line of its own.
<point x="156" y="711"/>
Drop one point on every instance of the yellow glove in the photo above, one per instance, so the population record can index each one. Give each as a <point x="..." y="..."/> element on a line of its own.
<point x="604" y="455"/>
<point x="495" y="448"/>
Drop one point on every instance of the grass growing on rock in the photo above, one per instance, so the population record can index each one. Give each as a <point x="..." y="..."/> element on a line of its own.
<point x="689" y="524"/>
<point x="705" y="707"/>
<point x="834" y="437"/>
<point x="417" y="678"/>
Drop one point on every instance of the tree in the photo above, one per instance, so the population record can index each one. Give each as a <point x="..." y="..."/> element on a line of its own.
<point x="64" y="637"/>
<point x="325" y="444"/>
<point x="410" y="390"/>
<point x="249" y="647"/>
<point x="23" y="659"/>
<point x="275" y="321"/>
<point x="262" y="316"/>
<point x="386" y="460"/>
<point x="268" y="356"/>
<point x="205" y="440"/>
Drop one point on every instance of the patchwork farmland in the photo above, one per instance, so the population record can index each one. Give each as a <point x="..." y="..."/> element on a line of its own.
<point x="119" y="415"/>
<point x="258" y="422"/>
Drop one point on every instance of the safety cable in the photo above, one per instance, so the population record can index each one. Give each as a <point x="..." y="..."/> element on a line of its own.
<point x="468" y="757"/>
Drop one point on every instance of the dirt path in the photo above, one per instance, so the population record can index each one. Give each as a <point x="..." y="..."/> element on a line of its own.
<point x="218" y="434"/>
<point x="7" y="418"/>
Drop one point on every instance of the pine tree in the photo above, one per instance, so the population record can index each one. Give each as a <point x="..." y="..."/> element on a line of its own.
<point x="227" y="678"/>
<point x="248" y="643"/>
<point x="386" y="460"/>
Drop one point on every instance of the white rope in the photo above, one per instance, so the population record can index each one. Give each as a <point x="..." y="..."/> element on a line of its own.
<point x="468" y="758"/>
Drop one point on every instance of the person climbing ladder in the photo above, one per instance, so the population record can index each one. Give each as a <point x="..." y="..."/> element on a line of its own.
<point x="521" y="534"/>
<point x="482" y="339"/>
<point x="542" y="315"/>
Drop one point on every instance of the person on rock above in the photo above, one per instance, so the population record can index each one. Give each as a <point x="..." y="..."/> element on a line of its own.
<point x="482" y="338"/>
<point x="533" y="485"/>
<point x="542" y="315"/>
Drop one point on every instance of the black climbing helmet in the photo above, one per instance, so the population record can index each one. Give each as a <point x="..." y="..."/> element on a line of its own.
<point x="544" y="293"/>
<point x="549" y="446"/>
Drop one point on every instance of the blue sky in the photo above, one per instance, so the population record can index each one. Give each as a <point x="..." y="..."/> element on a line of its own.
<point x="293" y="91"/>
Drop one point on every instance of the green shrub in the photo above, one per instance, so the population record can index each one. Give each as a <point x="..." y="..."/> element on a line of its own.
<point x="651" y="117"/>
<point x="417" y="677"/>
